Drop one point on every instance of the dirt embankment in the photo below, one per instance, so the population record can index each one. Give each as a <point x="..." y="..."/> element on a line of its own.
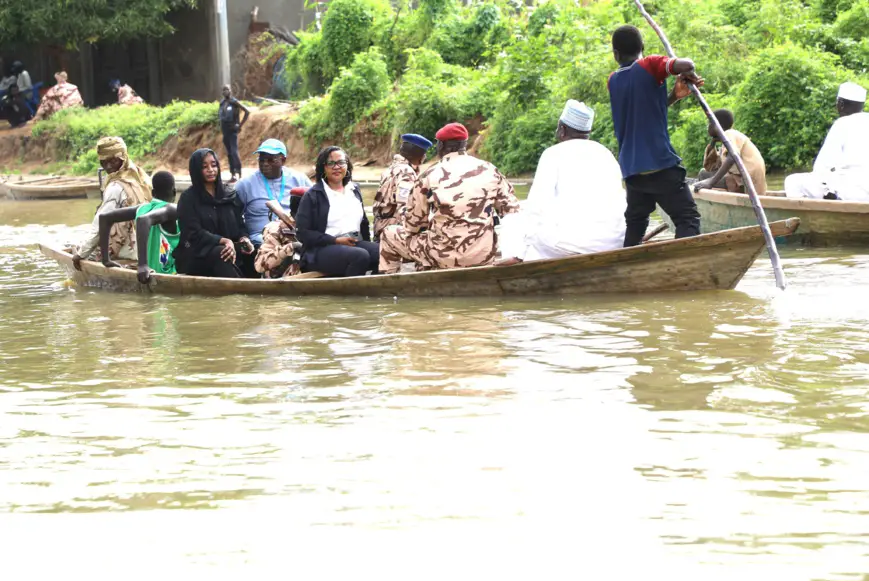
<point x="20" y="151"/>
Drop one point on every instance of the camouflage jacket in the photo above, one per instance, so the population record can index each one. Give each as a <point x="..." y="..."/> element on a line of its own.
<point x="396" y="183"/>
<point x="456" y="201"/>
<point x="275" y="256"/>
<point x="60" y="96"/>
<point x="127" y="96"/>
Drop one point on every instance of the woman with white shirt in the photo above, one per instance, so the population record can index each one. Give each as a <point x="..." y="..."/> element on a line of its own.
<point x="331" y="221"/>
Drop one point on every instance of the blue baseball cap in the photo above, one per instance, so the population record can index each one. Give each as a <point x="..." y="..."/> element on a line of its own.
<point x="272" y="147"/>
<point x="417" y="140"/>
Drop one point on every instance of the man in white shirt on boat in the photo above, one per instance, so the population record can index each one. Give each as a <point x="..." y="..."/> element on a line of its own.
<point x="841" y="170"/>
<point x="576" y="204"/>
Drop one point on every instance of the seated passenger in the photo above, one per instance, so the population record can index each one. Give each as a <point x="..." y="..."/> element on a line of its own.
<point x="126" y="94"/>
<point x="331" y="220"/>
<point x="841" y="171"/>
<point x="396" y="182"/>
<point x="278" y="255"/>
<point x="211" y="223"/>
<point x="61" y="96"/>
<point x="13" y="107"/>
<point x="576" y="204"/>
<point x="726" y="174"/>
<point x="156" y="223"/>
<point x="127" y="186"/>
<point x="449" y="220"/>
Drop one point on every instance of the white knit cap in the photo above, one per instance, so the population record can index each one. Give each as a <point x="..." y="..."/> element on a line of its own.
<point x="852" y="92"/>
<point x="577" y="115"/>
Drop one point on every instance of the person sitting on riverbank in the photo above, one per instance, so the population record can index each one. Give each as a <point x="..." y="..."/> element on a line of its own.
<point x="449" y="221"/>
<point x="14" y="108"/>
<point x="61" y="96"/>
<point x="331" y="220"/>
<point x="576" y="204"/>
<point x="126" y="94"/>
<point x="273" y="181"/>
<point x="652" y="171"/>
<point x="156" y="223"/>
<point x="127" y="186"/>
<point x="211" y="223"/>
<point x="726" y="175"/>
<point x="397" y="181"/>
<point x="841" y="170"/>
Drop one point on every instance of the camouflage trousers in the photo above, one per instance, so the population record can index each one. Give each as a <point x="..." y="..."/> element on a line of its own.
<point x="381" y="224"/>
<point x="397" y="245"/>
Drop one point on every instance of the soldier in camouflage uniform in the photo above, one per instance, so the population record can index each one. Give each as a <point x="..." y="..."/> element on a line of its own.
<point x="449" y="219"/>
<point x="397" y="182"/>
<point x="277" y="255"/>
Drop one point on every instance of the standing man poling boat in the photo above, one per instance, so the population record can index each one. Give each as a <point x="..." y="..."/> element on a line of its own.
<point x="127" y="186"/>
<point x="449" y="221"/>
<point x="231" y="123"/>
<point x="397" y="181"/>
<point x="576" y="204"/>
<point x="841" y="170"/>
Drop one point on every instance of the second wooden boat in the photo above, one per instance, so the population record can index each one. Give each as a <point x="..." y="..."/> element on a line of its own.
<point x="707" y="262"/>
<point x="822" y="222"/>
<point x="53" y="188"/>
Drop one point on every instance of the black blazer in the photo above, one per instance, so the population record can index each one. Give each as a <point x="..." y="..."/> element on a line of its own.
<point x="312" y="217"/>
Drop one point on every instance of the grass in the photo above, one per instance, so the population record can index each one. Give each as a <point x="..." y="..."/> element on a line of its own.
<point x="144" y="128"/>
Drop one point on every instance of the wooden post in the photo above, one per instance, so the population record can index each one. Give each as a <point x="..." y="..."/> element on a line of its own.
<point x="746" y="178"/>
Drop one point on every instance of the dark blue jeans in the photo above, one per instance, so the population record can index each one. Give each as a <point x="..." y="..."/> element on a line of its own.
<point x="230" y="141"/>
<point x="338" y="260"/>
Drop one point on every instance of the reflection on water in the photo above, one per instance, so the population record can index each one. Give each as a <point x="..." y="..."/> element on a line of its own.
<point x="706" y="434"/>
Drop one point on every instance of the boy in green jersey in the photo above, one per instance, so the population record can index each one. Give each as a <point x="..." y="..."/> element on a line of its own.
<point x="156" y="228"/>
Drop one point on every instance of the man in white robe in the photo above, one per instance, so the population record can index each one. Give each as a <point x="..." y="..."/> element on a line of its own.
<point x="576" y="204"/>
<point x="841" y="170"/>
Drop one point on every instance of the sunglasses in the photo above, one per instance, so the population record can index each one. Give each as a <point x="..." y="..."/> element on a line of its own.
<point x="337" y="163"/>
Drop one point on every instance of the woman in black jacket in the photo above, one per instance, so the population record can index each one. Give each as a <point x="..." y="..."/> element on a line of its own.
<point x="211" y="223"/>
<point x="331" y="221"/>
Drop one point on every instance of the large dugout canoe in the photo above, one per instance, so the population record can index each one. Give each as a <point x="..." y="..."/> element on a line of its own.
<point x="707" y="262"/>
<point x="52" y="188"/>
<point x="822" y="222"/>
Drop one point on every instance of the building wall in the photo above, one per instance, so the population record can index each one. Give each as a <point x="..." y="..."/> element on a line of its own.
<point x="187" y="57"/>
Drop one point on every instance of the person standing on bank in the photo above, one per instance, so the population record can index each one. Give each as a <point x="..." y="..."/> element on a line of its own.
<point x="397" y="181"/>
<point x="651" y="169"/>
<point x="331" y="221"/>
<point x="211" y="223"/>
<point x="273" y="181"/>
<point x="231" y="123"/>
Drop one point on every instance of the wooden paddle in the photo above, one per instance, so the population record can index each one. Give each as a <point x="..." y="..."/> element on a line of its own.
<point x="278" y="211"/>
<point x="746" y="178"/>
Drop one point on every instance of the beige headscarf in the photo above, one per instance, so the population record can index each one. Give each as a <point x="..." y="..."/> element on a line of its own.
<point x="133" y="179"/>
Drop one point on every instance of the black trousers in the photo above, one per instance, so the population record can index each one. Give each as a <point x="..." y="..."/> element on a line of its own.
<point x="230" y="141"/>
<point x="210" y="265"/>
<point x="668" y="189"/>
<point x="338" y="260"/>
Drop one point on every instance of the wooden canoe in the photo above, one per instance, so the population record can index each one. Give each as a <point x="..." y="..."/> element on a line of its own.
<point x="53" y="188"/>
<point x="822" y="222"/>
<point x="707" y="262"/>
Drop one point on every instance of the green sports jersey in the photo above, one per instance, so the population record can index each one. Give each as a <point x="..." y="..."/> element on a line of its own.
<point x="161" y="244"/>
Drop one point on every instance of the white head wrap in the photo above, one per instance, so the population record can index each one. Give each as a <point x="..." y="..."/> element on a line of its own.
<point x="577" y="115"/>
<point x="852" y="92"/>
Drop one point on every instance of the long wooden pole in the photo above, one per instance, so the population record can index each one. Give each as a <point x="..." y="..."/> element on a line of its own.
<point x="746" y="178"/>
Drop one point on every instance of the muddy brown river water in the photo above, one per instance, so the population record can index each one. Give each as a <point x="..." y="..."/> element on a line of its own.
<point x="718" y="435"/>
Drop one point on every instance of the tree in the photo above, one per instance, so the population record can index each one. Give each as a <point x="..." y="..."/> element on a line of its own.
<point x="71" y="22"/>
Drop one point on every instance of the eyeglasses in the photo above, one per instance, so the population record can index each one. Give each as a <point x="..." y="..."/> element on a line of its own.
<point x="337" y="163"/>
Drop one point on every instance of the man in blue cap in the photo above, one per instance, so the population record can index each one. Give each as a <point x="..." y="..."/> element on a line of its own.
<point x="273" y="181"/>
<point x="397" y="182"/>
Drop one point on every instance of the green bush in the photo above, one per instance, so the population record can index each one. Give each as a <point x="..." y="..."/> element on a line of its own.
<point x="515" y="141"/>
<point x="470" y="37"/>
<point x="357" y="88"/>
<point x="144" y="128"/>
<point x="350" y="27"/>
<point x="303" y="68"/>
<point x="787" y="103"/>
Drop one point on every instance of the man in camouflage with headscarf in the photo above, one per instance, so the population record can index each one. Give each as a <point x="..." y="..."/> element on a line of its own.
<point x="449" y="221"/>
<point x="127" y="186"/>
<point x="397" y="182"/>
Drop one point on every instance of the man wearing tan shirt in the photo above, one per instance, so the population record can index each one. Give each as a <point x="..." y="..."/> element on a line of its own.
<point x="727" y="170"/>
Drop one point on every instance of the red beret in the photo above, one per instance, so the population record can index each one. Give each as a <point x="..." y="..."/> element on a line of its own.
<point x="298" y="191"/>
<point x="452" y="132"/>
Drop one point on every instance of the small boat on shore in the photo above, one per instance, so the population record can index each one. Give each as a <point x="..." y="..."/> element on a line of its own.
<point x="822" y="222"/>
<point x="52" y="188"/>
<point x="706" y="262"/>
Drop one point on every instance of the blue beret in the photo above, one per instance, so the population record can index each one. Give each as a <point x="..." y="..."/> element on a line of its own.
<point x="417" y="140"/>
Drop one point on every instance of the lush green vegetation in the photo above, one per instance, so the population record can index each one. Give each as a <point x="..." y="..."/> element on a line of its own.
<point x="775" y="62"/>
<point x="144" y="128"/>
